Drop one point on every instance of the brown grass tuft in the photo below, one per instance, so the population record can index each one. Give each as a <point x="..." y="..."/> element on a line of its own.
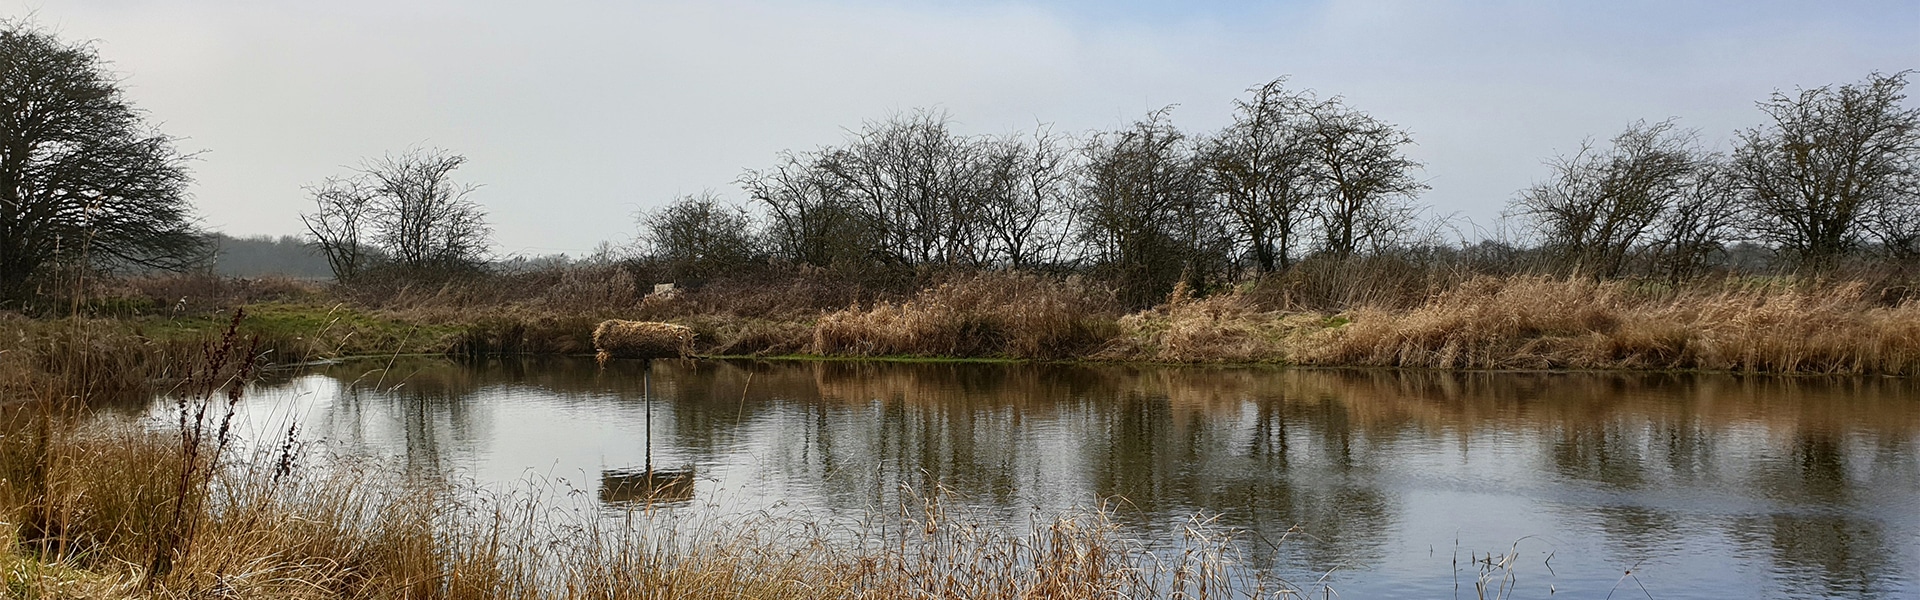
<point x="1227" y="327"/>
<point x="1015" y="315"/>
<point x="1485" y="323"/>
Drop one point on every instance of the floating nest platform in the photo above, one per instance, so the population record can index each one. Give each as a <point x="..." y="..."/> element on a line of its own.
<point x="641" y="339"/>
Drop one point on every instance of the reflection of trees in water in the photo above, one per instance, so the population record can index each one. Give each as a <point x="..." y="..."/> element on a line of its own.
<point x="1820" y="546"/>
<point x="1822" y="555"/>
<point x="1286" y="464"/>
<point x="1272" y="449"/>
<point x="699" y="407"/>
<point x="1812" y="471"/>
<point x="429" y="404"/>
<point x="1608" y="453"/>
<point x="1687" y="446"/>
<point x="1266" y="449"/>
<point x="1634" y="533"/>
<point x="868" y="429"/>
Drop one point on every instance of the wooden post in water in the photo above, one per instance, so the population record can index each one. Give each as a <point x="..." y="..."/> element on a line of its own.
<point x="646" y="392"/>
<point x="646" y="341"/>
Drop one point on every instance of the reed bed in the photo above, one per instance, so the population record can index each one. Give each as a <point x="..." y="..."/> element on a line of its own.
<point x="1544" y="323"/>
<point x="641" y="339"/>
<point x="1224" y="328"/>
<point x="84" y="357"/>
<point x="1011" y="315"/>
<point x="1770" y="325"/>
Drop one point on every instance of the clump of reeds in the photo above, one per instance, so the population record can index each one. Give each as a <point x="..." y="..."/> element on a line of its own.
<point x="83" y="356"/>
<point x="736" y="336"/>
<point x="1224" y="327"/>
<point x="200" y="292"/>
<point x="1769" y="327"/>
<point x="1485" y="323"/>
<point x="588" y="289"/>
<point x="798" y="294"/>
<point x="1323" y="282"/>
<point x="1016" y="315"/>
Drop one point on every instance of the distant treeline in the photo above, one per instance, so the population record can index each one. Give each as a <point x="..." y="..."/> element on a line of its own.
<point x="256" y="256"/>
<point x="297" y="257"/>
<point x="1831" y="175"/>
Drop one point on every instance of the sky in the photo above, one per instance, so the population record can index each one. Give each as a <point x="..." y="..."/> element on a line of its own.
<point x="576" y="116"/>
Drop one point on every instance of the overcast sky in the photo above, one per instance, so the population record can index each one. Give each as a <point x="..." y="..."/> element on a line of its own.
<point x="576" y="115"/>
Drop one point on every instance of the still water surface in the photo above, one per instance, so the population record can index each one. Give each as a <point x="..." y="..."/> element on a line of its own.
<point x="1383" y="483"/>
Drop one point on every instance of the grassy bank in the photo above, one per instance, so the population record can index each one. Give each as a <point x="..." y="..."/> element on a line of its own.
<point x="1759" y="326"/>
<point x="1770" y="325"/>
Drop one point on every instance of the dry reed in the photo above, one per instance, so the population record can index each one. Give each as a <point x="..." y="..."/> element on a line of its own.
<point x="1435" y="320"/>
<point x="347" y="528"/>
<point x="1539" y="322"/>
<point x="1227" y="327"/>
<point x="1014" y="315"/>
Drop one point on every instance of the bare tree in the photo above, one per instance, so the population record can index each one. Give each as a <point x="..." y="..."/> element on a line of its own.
<point x="1362" y="179"/>
<point x="908" y="191"/>
<point x="427" y="222"/>
<point x="1834" y="165"/>
<point x="1143" y="213"/>
<point x="1261" y="168"/>
<point x="1896" y="225"/>
<point x="809" y="220"/>
<point x="1025" y="212"/>
<point x="918" y="185"/>
<point x="404" y="210"/>
<point x="1704" y="217"/>
<point x="700" y="235"/>
<point x="1601" y="205"/>
<point x="340" y="222"/>
<point x="83" y="179"/>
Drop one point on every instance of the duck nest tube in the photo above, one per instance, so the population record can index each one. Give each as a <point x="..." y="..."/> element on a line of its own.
<point x="641" y="339"/>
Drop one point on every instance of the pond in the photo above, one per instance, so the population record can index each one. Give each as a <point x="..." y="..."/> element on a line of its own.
<point x="1380" y="483"/>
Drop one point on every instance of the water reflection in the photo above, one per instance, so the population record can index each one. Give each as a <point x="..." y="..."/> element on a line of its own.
<point x="1770" y="486"/>
<point x="621" y="488"/>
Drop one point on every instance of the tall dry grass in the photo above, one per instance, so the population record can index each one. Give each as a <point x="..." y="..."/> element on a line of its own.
<point x="1335" y="313"/>
<point x="1533" y="322"/>
<point x="1228" y="327"/>
<point x="1015" y="315"/>
<point x="84" y="357"/>
<point x="342" y="528"/>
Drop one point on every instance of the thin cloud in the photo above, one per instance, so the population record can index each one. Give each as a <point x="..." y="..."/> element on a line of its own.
<point x="576" y="114"/>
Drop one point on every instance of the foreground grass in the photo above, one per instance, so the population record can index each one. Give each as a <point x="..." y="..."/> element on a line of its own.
<point x="94" y="507"/>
